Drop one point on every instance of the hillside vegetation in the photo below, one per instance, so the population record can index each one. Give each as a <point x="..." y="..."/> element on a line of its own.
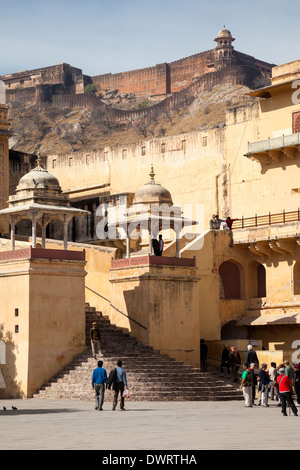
<point x="56" y="131"/>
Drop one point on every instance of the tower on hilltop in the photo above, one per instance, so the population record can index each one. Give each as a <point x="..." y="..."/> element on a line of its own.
<point x="224" y="50"/>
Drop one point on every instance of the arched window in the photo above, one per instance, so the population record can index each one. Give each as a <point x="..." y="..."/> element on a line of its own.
<point x="296" y="122"/>
<point x="230" y="280"/>
<point x="256" y="280"/>
<point x="261" y="280"/>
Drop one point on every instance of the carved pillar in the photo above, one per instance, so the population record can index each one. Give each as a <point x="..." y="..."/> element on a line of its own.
<point x="4" y="164"/>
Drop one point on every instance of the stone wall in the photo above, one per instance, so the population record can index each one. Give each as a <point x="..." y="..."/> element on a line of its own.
<point x="148" y="81"/>
<point x="235" y="75"/>
<point x="158" y="80"/>
<point x="175" y="76"/>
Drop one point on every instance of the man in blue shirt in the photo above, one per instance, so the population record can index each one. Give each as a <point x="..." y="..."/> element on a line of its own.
<point x="99" y="379"/>
<point x="120" y="385"/>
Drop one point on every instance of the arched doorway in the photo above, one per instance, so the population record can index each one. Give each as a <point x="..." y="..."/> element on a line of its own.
<point x="230" y="280"/>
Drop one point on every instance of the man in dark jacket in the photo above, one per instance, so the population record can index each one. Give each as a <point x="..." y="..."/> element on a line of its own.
<point x="297" y="383"/>
<point x="264" y="382"/>
<point x="225" y="360"/>
<point x="203" y="355"/>
<point x="235" y="361"/>
<point x="251" y="356"/>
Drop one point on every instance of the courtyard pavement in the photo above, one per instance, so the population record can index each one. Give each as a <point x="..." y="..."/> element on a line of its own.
<point x="40" y="424"/>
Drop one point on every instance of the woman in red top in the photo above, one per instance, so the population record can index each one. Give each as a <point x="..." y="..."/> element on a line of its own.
<point x="285" y="393"/>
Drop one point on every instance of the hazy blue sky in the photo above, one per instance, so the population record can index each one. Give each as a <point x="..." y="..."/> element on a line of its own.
<point x="102" y="36"/>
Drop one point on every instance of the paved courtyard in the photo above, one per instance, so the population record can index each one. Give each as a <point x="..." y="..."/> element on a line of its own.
<point x="39" y="424"/>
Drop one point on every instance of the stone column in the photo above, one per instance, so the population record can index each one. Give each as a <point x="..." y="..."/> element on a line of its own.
<point x="150" y="243"/>
<point x="44" y="236"/>
<point x="65" y="234"/>
<point x="127" y="246"/>
<point x="12" y="232"/>
<point x="33" y="220"/>
<point x="177" y="234"/>
<point x="66" y="221"/>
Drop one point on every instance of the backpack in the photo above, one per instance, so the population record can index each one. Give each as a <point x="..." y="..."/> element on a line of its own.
<point x="249" y="379"/>
<point x="111" y="382"/>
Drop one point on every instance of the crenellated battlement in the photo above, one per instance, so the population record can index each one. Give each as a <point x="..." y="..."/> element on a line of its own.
<point x="64" y="85"/>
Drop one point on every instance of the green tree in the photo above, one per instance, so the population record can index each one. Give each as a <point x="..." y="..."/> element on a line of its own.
<point x="91" y="88"/>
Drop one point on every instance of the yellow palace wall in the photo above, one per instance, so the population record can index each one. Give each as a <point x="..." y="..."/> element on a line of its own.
<point x="216" y="175"/>
<point x="257" y="188"/>
<point x="42" y="319"/>
<point x="206" y="168"/>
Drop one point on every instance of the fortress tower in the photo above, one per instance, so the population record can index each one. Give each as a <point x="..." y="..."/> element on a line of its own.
<point x="224" y="49"/>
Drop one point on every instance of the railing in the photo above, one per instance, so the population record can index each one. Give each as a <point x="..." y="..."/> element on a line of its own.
<point x="273" y="143"/>
<point x="217" y="363"/>
<point x="269" y="219"/>
<point x="115" y="308"/>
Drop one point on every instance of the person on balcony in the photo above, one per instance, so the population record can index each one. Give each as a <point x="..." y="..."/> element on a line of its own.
<point x="229" y="221"/>
<point x="160" y="245"/>
<point x="213" y="223"/>
<point x="216" y="223"/>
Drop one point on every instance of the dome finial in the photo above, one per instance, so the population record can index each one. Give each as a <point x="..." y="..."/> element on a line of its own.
<point x="38" y="160"/>
<point x="152" y="174"/>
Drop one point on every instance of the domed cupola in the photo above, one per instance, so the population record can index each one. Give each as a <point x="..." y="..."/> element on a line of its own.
<point x="224" y="49"/>
<point x="39" y="186"/>
<point x="39" y="198"/>
<point x="152" y="193"/>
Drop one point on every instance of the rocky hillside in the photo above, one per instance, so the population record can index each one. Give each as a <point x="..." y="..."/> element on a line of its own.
<point x="56" y="131"/>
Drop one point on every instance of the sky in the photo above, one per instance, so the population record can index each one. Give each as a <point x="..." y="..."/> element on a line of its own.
<point x="109" y="36"/>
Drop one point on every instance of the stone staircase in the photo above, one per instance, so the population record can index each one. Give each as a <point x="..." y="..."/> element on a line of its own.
<point x="150" y="375"/>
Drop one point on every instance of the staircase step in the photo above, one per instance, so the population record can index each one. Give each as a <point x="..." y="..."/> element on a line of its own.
<point x="150" y="374"/>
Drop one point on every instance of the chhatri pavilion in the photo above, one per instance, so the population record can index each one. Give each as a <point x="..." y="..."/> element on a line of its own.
<point x="39" y="198"/>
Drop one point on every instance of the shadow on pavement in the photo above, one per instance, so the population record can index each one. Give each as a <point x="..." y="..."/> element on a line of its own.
<point x="36" y="412"/>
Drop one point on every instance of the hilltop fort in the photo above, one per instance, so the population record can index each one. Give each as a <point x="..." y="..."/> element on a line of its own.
<point x="165" y="86"/>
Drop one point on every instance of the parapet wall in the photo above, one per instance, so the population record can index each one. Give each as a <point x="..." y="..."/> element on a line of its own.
<point x="149" y="81"/>
<point x="160" y="79"/>
<point x="234" y="75"/>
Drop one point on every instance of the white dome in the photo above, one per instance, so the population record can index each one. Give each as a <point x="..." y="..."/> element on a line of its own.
<point x="152" y="193"/>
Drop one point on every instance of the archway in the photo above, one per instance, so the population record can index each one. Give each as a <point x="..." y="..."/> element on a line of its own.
<point x="256" y="280"/>
<point x="230" y="280"/>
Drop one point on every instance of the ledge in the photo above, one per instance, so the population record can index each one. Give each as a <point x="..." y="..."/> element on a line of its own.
<point x="42" y="253"/>
<point x="273" y="149"/>
<point x="153" y="261"/>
